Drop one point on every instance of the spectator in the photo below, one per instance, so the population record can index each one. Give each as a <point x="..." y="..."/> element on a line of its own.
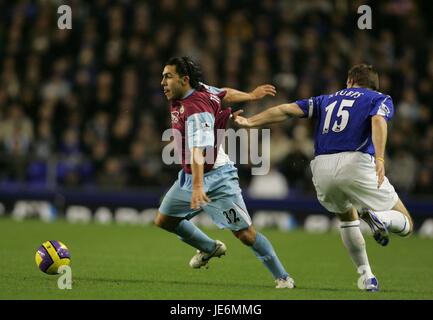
<point x="112" y="176"/>
<point x="85" y="90"/>
<point x="259" y="187"/>
<point x="424" y="183"/>
<point x="16" y="136"/>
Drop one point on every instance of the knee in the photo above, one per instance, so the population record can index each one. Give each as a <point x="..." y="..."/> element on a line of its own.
<point x="410" y="224"/>
<point x="409" y="233"/>
<point x="400" y="207"/>
<point x="158" y="221"/>
<point x="163" y="222"/>
<point x="350" y="215"/>
<point x="409" y="230"/>
<point x="246" y="236"/>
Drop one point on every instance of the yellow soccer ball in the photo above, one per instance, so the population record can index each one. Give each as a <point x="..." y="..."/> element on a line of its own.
<point x="51" y="255"/>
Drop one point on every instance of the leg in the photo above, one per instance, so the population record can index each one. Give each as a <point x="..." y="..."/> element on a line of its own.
<point x="246" y="236"/>
<point x="398" y="219"/>
<point x="380" y="207"/>
<point x="263" y="249"/>
<point x="399" y="206"/>
<point x="335" y="193"/>
<point x="187" y="232"/>
<point x="355" y="245"/>
<point x="173" y="216"/>
<point x="167" y="222"/>
<point x="230" y="212"/>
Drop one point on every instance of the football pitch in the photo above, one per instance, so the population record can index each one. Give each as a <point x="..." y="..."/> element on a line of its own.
<point x="143" y="262"/>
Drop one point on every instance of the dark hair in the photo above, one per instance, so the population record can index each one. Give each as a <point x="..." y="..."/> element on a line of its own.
<point x="364" y="75"/>
<point x="185" y="66"/>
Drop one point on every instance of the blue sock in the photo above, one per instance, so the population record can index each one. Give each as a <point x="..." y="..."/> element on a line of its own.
<point x="189" y="233"/>
<point x="265" y="252"/>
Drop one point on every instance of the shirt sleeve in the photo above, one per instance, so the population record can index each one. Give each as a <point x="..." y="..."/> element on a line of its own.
<point x="200" y="130"/>
<point x="383" y="106"/>
<point x="214" y="90"/>
<point x="309" y="106"/>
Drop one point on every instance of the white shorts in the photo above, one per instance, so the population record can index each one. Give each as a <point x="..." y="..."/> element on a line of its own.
<point x="348" y="179"/>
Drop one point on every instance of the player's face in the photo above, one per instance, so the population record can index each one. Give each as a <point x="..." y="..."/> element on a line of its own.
<point x="172" y="83"/>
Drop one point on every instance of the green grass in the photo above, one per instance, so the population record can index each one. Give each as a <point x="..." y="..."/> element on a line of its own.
<point x="142" y="262"/>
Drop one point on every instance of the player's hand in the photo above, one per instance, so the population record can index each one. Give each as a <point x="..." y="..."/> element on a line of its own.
<point x="262" y="91"/>
<point x="239" y="120"/>
<point x="380" y="172"/>
<point x="198" y="198"/>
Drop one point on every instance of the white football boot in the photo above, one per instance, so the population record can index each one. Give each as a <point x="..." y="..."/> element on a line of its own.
<point x="202" y="258"/>
<point x="378" y="228"/>
<point x="285" y="283"/>
<point x="371" y="284"/>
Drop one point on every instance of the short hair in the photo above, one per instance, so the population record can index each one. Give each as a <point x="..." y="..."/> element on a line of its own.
<point x="186" y="66"/>
<point x="364" y="75"/>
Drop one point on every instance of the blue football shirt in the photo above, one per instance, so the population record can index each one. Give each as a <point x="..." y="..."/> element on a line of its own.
<point x="344" y="119"/>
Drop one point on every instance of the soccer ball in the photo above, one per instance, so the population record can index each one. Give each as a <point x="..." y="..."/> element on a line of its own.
<point x="51" y="255"/>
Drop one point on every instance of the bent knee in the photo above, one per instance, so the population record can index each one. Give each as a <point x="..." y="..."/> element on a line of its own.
<point x="164" y="222"/>
<point x="159" y="220"/>
<point x="409" y="231"/>
<point x="246" y="236"/>
<point x="350" y="215"/>
<point x="408" y="216"/>
<point x="410" y="223"/>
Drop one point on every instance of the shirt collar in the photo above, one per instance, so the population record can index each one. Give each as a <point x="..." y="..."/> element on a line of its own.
<point x="190" y="92"/>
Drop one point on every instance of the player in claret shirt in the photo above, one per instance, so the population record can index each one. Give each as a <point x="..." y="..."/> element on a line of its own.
<point x="348" y="168"/>
<point x="208" y="183"/>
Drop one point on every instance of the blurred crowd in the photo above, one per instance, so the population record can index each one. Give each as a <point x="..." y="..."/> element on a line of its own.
<point x="84" y="107"/>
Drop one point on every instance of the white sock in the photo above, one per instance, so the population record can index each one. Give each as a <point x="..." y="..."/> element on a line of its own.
<point x="355" y="245"/>
<point x="395" y="221"/>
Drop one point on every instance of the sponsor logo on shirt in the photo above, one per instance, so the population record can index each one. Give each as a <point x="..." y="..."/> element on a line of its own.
<point x="384" y="109"/>
<point x="206" y="125"/>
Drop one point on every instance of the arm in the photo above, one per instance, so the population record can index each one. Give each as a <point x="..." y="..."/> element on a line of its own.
<point x="199" y="132"/>
<point x="272" y="115"/>
<point x="234" y="96"/>
<point x="379" y="129"/>
<point x="197" y="166"/>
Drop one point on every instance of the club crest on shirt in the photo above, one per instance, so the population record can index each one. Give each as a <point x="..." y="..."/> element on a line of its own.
<point x="175" y="116"/>
<point x="182" y="109"/>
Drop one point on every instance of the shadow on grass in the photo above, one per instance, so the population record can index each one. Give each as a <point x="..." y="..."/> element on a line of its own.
<point x="226" y="285"/>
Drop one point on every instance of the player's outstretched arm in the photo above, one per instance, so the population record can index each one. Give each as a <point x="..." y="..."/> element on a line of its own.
<point x="272" y="115"/>
<point x="234" y="96"/>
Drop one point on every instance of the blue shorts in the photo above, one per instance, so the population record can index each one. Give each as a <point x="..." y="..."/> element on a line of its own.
<point x="227" y="208"/>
